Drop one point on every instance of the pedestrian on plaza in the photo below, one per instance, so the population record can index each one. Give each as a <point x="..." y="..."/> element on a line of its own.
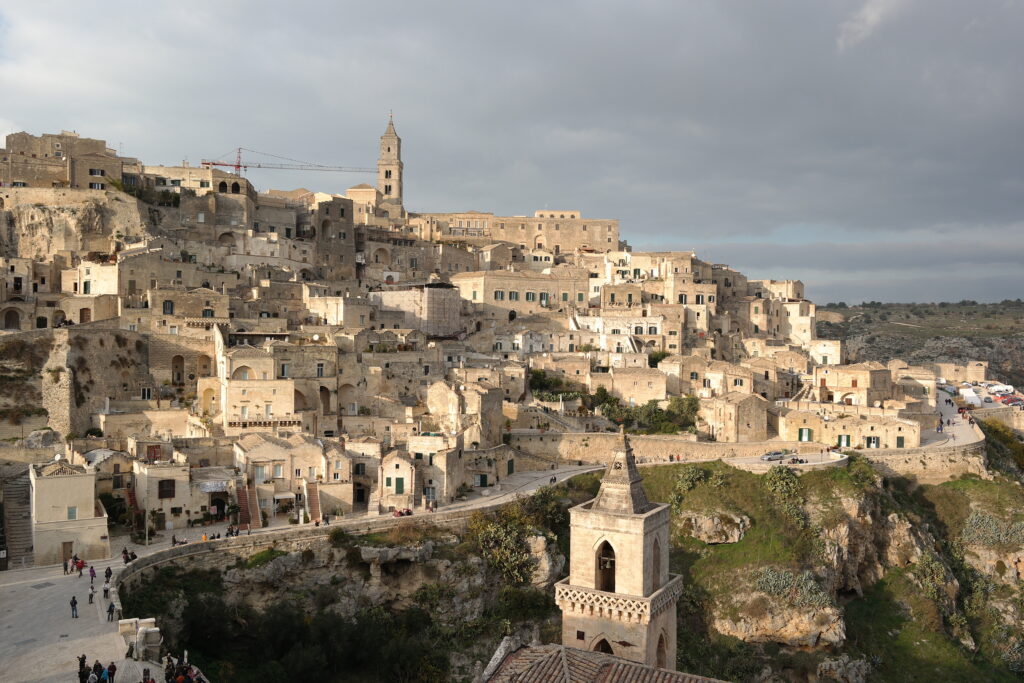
<point x="106" y="590"/>
<point x="108" y="573"/>
<point x="92" y="678"/>
<point x="92" y="592"/>
<point x="81" y="565"/>
<point x="64" y="565"/>
<point x="327" y="520"/>
<point x="110" y="612"/>
<point x="132" y="556"/>
<point x="174" y="541"/>
<point x="204" y="538"/>
<point x="97" y="668"/>
<point x="92" y="574"/>
<point x="74" y="607"/>
<point x="111" y="670"/>
<point x="82" y="659"/>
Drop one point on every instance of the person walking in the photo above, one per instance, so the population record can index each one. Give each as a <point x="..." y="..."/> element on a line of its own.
<point x="81" y="565"/>
<point x="74" y="607"/>
<point x="106" y="590"/>
<point x="108" y="573"/>
<point x="92" y="574"/>
<point x="92" y="592"/>
<point x="110" y="612"/>
<point x="111" y="670"/>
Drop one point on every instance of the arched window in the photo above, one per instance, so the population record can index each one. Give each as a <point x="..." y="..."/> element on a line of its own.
<point x="235" y="188"/>
<point x="223" y="187"/>
<point x="603" y="646"/>
<point x="661" y="655"/>
<point x="605" y="574"/>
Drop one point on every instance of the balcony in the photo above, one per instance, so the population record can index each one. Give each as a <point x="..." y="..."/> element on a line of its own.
<point x="629" y="608"/>
<point x="271" y="421"/>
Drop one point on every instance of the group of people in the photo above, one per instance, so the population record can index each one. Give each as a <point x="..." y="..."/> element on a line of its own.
<point x="74" y="562"/>
<point x="181" y="672"/>
<point x="128" y="556"/>
<point x="95" y="673"/>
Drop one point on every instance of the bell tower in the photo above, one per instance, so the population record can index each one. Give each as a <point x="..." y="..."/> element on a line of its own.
<point x="619" y="597"/>
<point x="389" y="166"/>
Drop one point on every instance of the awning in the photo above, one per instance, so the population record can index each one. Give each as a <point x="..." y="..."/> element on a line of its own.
<point x="284" y="495"/>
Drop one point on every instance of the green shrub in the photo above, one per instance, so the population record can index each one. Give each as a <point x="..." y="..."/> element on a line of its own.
<point x="263" y="557"/>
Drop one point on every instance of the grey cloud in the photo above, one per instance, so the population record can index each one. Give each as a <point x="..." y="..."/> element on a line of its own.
<point x="694" y="123"/>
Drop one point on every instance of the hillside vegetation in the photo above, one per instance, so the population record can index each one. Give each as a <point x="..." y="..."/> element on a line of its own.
<point x="920" y="333"/>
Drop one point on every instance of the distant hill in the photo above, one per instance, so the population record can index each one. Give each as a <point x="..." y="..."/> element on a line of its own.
<point x="920" y="333"/>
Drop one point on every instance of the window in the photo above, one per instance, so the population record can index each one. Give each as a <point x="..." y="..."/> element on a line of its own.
<point x="165" y="488"/>
<point x="531" y="296"/>
<point x="259" y="473"/>
<point x="360" y="468"/>
<point x="146" y="393"/>
<point x="97" y="186"/>
<point x="207" y="312"/>
<point x="97" y="171"/>
<point x="284" y="369"/>
<point x="513" y="295"/>
<point x="499" y="295"/>
<point x="579" y="296"/>
<point x="72" y="512"/>
<point x="244" y="412"/>
<point x="278" y="471"/>
<point x="682" y="298"/>
<point x="168" y="307"/>
<point x="737" y="382"/>
<point x="387" y="481"/>
<point x="87" y="287"/>
<point x="298" y="472"/>
<point x="474" y="295"/>
<point x="565" y="296"/>
<point x="319" y="369"/>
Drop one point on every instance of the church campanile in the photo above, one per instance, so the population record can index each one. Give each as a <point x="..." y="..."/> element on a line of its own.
<point x="389" y="166"/>
<point x="619" y="597"/>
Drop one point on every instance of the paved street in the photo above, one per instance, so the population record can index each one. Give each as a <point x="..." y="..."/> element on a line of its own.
<point x="39" y="641"/>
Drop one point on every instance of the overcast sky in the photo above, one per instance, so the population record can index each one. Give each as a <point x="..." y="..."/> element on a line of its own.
<point x="873" y="149"/>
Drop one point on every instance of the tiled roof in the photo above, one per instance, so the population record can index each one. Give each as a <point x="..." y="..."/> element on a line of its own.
<point x="559" y="664"/>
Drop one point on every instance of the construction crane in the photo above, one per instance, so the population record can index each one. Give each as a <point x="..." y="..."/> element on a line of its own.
<point x="296" y="164"/>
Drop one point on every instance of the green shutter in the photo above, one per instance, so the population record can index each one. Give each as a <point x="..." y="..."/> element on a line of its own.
<point x="399" y="485"/>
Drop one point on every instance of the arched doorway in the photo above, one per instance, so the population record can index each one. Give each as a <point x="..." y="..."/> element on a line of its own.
<point x="226" y="239"/>
<point x="178" y="370"/>
<point x="300" y="401"/>
<point x="235" y="187"/>
<point x="209" y="395"/>
<point x="511" y="316"/>
<point x="661" y="654"/>
<point x="204" y="365"/>
<point x="605" y="568"/>
<point x="223" y="187"/>
<point x="603" y="646"/>
<point x="325" y="400"/>
<point x="85" y="315"/>
<point x="58" y="318"/>
<point x="12" y="320"/>
<point x="243" y="372"/>
<point x="382" y="257"/>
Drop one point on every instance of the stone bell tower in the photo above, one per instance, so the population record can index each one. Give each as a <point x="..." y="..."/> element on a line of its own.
<point x="389" y="166"/>
<point x="619" y="597"/>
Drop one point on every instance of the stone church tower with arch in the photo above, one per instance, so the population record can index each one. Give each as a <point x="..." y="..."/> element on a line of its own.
<point x="389" y="168"/>
<point x="619" y="597"/>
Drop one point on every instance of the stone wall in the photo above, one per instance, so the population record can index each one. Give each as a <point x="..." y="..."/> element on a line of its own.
<point x="1011" y="417"/>
<point x="597" y="447"/>
<point x="931" y="465"/>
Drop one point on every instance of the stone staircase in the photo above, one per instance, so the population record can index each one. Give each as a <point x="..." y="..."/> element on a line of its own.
<point x="313" y="501"/>
<point x="255" y="518"/>
<point x="18" y="517"/>
<point x="244" y="518"/>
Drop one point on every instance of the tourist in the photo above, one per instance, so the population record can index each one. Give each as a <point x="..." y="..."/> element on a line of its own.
<point x="106" y="590"/>
<point x="92" y="574"/>
<point x="111" y="670"/>
<point x="82" y="659"/>
<point x="204" y="538"/>
<point x="132" y="556"/>
<point x="92" y="678"/>
<point x="174" y="541"/>
<point x="65" y="565"/>
<point x="92" y="592"/>
<point x="108" y="573"/>
<point x="110" y="612"/>
<point x="81" y="566"/>
<point x="74" y="607"/>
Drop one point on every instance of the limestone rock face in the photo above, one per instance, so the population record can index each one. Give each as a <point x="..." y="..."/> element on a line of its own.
<point x="761" y="619"/>
<point x="1003" y="566"/>
<point x="550" y="563"/>
<point x="715" y="527"/>
<point x="42" y="438"/>
<point x="844" y="669"/>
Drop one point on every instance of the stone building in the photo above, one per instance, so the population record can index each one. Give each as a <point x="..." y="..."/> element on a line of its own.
<point x="619" y="597"/>
<point x="736" y="417"/>
<point x="67" y="517"/>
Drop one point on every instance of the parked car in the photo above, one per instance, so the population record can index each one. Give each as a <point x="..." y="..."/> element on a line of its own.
<point x="773" y="455"/>
<point x="988" y="399"/>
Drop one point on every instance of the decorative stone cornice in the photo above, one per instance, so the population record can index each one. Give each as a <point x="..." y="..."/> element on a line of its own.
<point x="616" y="606"/>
